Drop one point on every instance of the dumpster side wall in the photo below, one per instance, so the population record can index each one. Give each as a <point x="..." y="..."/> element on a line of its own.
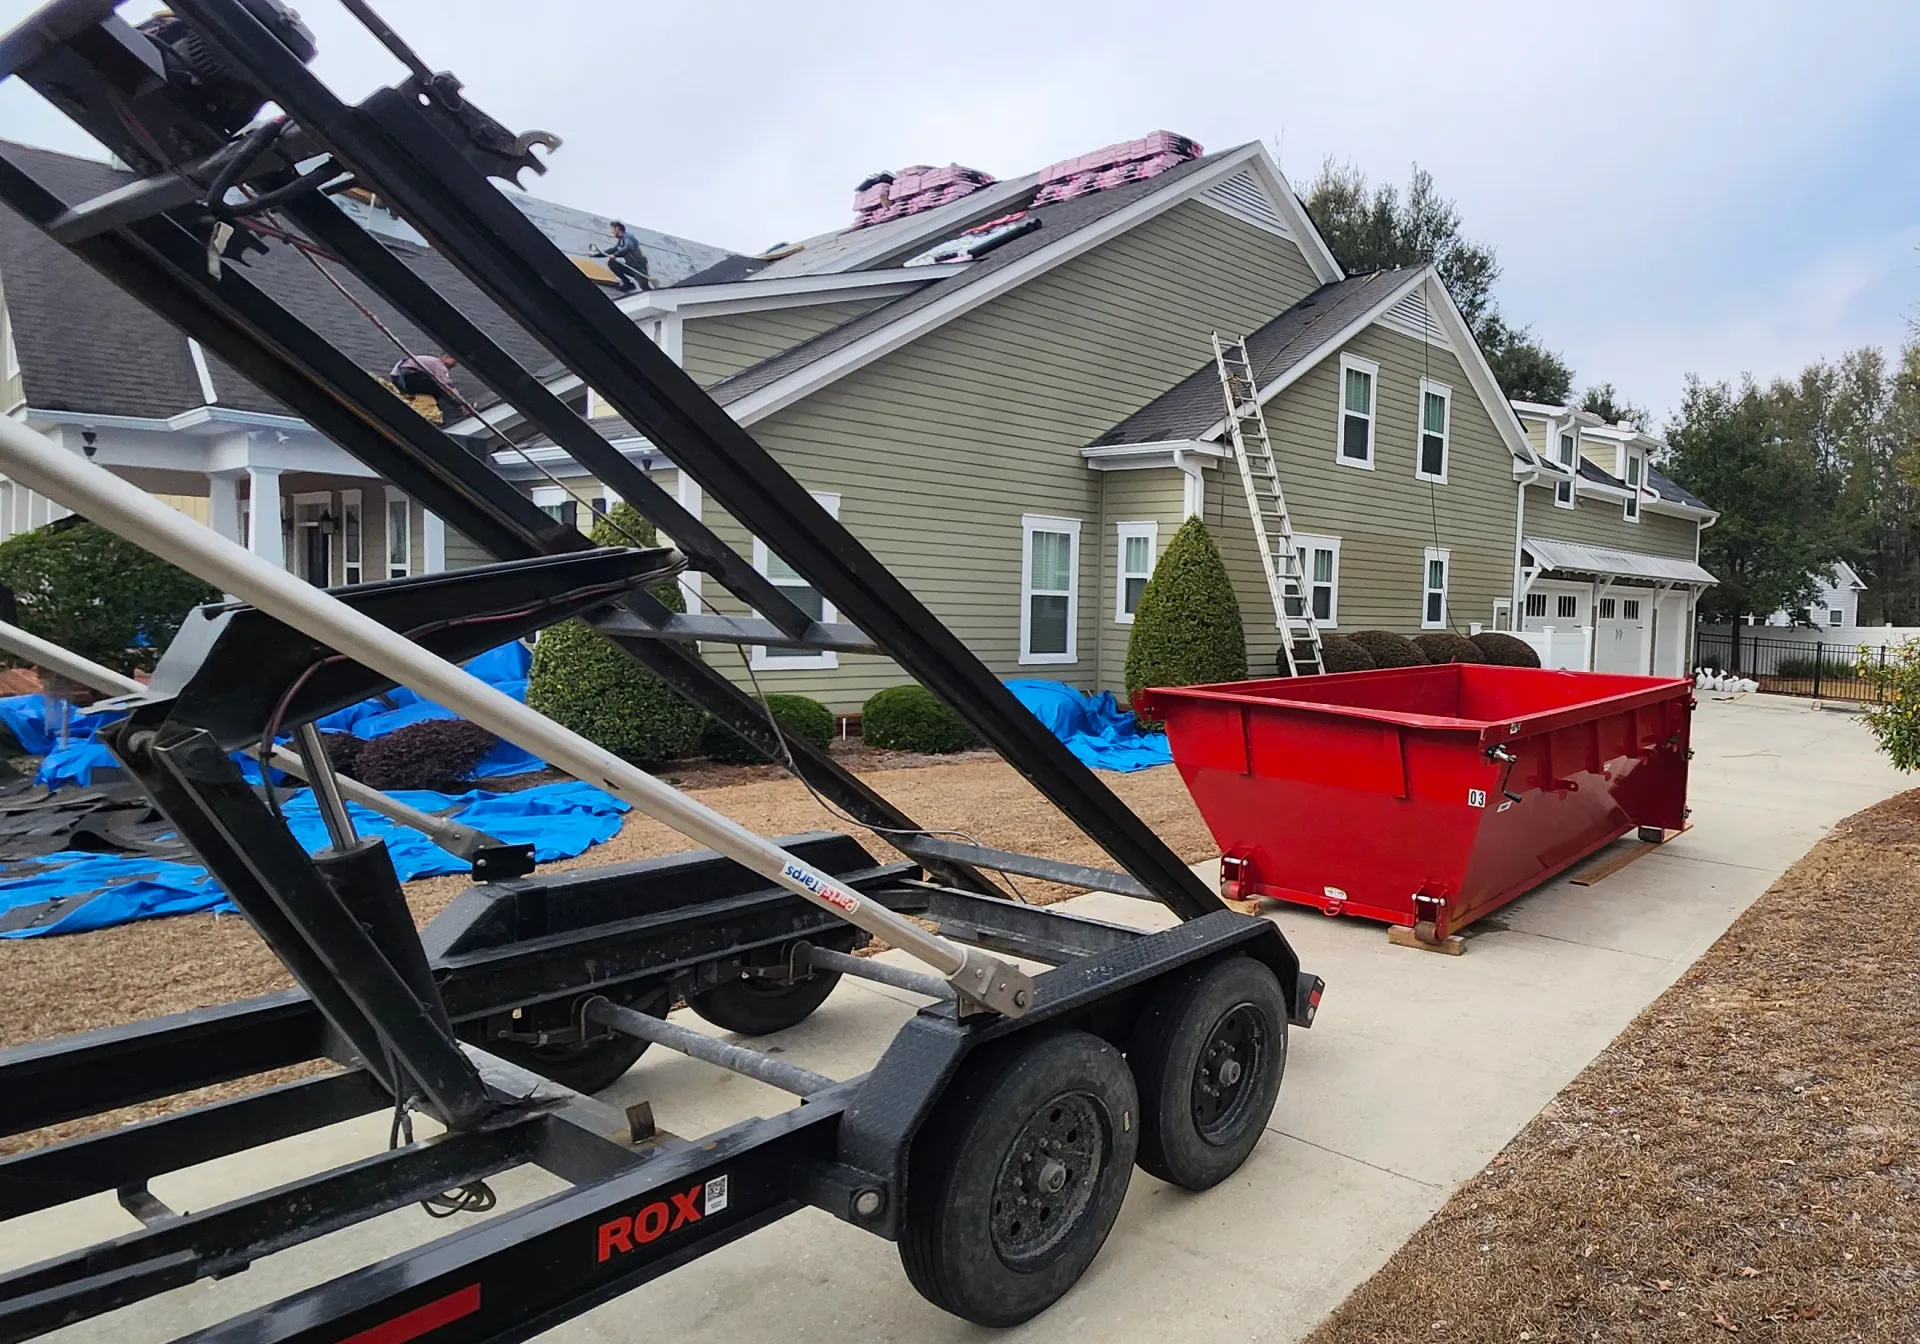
<point x="1385" y="518"/>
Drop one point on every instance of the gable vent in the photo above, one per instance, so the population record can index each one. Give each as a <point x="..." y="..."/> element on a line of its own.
<point x="1411" y="315"/>
<point x="1243" y="197"/>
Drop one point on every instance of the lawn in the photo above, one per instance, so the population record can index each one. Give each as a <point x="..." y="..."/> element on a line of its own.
<point x="1743" y="1162"/>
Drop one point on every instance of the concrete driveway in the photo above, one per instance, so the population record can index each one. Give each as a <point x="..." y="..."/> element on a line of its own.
<point x="1420" y="1069"/>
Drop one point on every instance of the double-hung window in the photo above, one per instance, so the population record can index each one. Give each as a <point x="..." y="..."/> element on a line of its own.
<point x="352" y="540"/>
<point x="1139" y="544"/>
<point x="1436" y="414"/>
<point x="1049" y="589"/>
<point x="1636" y="471"/>
<point x="399" y="536"/>
<point x="1836" y="618"/>
<point x="1570" y="459"/>
<point x="803" y="595"/>
<point x="1433" y="601"/>
<point x="1320" y="570"/>
<point x="1359" y="389"/>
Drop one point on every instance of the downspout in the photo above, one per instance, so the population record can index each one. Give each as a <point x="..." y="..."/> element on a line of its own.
<point x="1198" y="487"/>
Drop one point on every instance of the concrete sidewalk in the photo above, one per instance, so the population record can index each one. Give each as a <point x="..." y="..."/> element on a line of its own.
<point x="1420" y="1069"/>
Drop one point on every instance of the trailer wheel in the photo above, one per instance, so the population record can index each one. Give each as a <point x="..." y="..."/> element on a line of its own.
<point x="589" y="1066"/>
<point x="1018" y="1176"/>
<point x="760" y="1007"/>
<point x="1209" y="1053"/>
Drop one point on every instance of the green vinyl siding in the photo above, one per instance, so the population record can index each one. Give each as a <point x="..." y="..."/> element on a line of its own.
<point x="1156" y="496"/>
<point x="716" y="347"/>
<point x="940" y="447"/>
<point x="1385" y="518"/>
<point x="1602" y="522"/>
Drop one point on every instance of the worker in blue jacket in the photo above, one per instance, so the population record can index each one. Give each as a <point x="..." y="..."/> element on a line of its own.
<point x="625" y="259"/>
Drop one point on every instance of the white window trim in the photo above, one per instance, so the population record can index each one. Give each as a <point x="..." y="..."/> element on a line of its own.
<point x="1372" y="370"/>
<point x="1573" y="470"/>
<point x="1630" y="507"/>
<point x="1039" y="522"/>
<point x="1503" y="606"/>
<point x="1445" y="393"/>
<point x="1125" y="532"/>
<point x="1445" y="557"/>
<point x="350" y="499"/>
<point x="1305" y="542"/>
<point x="324" y="498"/>
<point x="386" y="536"/>
<point x="775" y="660"/>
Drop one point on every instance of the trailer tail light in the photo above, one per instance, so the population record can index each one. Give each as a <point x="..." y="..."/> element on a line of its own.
<point x="1306" y="999"/>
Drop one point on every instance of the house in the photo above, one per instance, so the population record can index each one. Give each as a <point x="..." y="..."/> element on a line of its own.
<point x="84" y="362"/>
<point x="1018" y="428"/>
<point x="1835" y="604"/>
<point x="1609" y="555"/>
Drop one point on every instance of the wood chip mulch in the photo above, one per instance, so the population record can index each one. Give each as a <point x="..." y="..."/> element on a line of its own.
<point x="1743" y="1163"/>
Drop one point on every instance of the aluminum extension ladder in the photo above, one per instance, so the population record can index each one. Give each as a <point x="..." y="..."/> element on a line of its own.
<point x="1267" y="506"/>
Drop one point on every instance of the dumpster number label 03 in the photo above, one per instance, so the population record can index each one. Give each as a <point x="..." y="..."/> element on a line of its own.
<point x="1476" y="797"/>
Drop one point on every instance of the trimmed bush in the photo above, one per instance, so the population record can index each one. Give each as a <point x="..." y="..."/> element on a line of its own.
<point x="80" y="586"/>
<point x="1186" y="628"/>
<point x="581" y="680"/>
<point x="1388" y="649"/>
<point x="913" y="718"/>
<point x="1503" y="650"/>
<point x="1444" y="646"/>
<point x="806" y="719"/>
<point x="1338" y="653"/>
<point x="424" y="755"/>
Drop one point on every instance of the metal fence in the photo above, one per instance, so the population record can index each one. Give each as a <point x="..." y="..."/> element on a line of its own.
<point x="1791" y="666"/>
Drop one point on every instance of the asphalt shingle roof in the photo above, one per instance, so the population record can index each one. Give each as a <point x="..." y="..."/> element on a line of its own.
<point x="1192" y="406"/>
<point x="86" y="345"/>
<point x="1674" y="492"/>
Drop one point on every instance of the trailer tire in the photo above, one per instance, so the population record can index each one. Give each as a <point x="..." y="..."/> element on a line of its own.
<point x="1018" y="1175"/>
<point x="1229" y="1018"/>
<point x="590" y="1067"/>
<point x="760" y="1007"/>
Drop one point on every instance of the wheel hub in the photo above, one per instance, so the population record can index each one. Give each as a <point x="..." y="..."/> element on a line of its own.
<point x="1235" y="1049"/>
<point x="1047" y="1179"/>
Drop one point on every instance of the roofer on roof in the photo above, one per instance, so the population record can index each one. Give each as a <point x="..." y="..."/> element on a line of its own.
<point x="424" y="376"/>
<point x="625" y="259"/>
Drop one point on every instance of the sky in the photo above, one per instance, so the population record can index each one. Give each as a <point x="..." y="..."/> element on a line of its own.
<point x="1672" y="188"/>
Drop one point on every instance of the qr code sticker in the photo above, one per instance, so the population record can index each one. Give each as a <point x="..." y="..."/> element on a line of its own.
<point x="716" y="1199"/>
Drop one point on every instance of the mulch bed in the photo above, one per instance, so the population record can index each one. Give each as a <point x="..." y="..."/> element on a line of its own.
<point x="1742" y="1163"/>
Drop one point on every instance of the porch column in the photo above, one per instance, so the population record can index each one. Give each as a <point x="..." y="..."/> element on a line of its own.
<point x="434" y="543"/>
<point x="223" y="503"/>
<point x="264" y="515"/>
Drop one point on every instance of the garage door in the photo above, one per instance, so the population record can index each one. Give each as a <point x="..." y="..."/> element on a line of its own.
<point x="1620" y="634"/>
<point x="1670" y="636"/>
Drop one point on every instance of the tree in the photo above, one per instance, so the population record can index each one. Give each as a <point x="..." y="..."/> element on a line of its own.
<point x="1375" y="228"/>
<point x="1611" y="406"/>
<point x="1733" y="448"/>
<point x="103" y="597"/>
<point x="1186" y="628"/>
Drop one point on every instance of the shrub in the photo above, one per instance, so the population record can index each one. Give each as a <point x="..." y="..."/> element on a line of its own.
<point x="913" y="718"/>
<point x="1807" y="665"/>
<point x="806" y="719"/>
<point x="1388" y="649"/>
<point x="424" y="755"/>
<point x="1504" y="650"/>
<point x="1338" y="653"/>
<point x="1444" y="646"/>
<point x="583" y="681"/>
<point x="1186" y="628"/>
<point x="1895" y="721"/>
<point x="80" y="586"/>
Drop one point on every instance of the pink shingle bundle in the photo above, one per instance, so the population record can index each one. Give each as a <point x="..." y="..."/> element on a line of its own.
<point x="1115" y="165"/>
<point x="920" y="187"/>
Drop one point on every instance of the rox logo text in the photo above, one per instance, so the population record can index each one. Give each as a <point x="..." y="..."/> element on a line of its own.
<point x="630" y="1231"/>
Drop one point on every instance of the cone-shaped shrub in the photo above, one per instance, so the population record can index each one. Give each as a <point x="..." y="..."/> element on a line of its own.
<point x="582" y="681"/>
<point x="1503" y="650"/>
<point x="1186" y="628"/>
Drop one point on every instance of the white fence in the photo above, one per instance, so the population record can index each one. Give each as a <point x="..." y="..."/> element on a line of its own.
<point x="1835" y="638"/>
<point x="1571" y="650"/>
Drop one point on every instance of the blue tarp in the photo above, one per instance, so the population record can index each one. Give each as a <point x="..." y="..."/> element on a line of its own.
<point x="1093" y="727"/>
<point x="558" y="820"/>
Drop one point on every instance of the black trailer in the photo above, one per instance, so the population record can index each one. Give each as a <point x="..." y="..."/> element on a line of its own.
<point x="994" y="1138"/>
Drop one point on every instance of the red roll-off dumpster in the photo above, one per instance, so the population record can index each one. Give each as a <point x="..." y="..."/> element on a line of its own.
<point x="1425" y="796"/>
